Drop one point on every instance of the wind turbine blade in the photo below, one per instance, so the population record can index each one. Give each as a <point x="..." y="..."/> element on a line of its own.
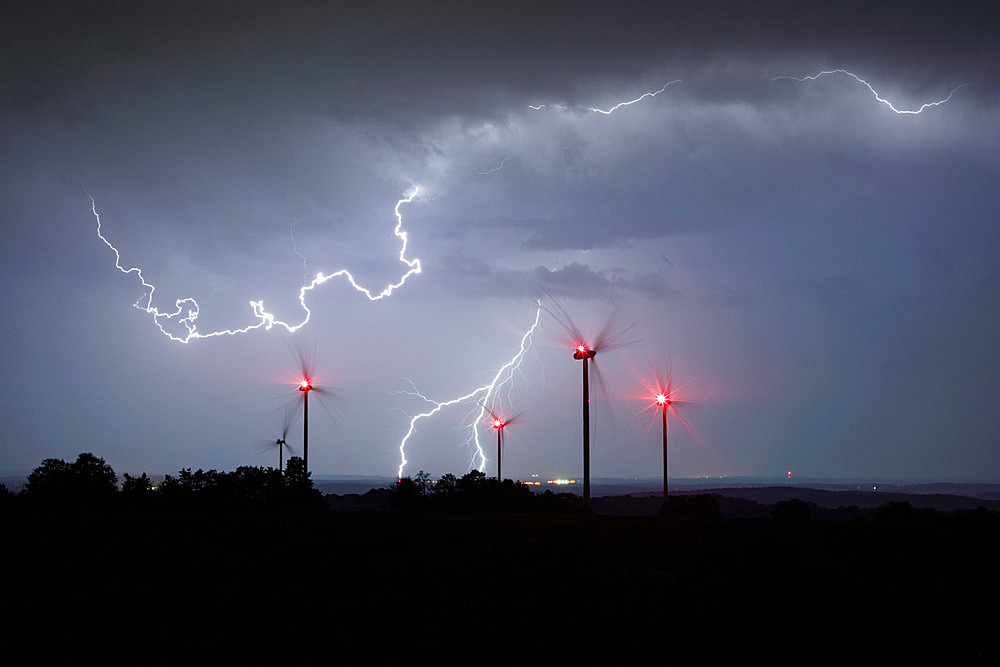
<point x="603" y="405"/>
<point x="616" y="339"/>
<point x="603" y="335"/>
<point x="293" y="412"/>
<point x="327" y="406"/>
<point x="559" y="314"/>
<point x="684" y="422"/>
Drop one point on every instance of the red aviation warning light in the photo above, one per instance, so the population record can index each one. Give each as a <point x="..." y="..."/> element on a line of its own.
<point x="583" y="351"/>
<point x="499" y="423"/>
<point x="662" y="396"/>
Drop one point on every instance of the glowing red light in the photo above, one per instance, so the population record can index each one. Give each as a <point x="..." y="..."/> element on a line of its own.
<point x="497" y="423"/>
<point x="662" y="399"/>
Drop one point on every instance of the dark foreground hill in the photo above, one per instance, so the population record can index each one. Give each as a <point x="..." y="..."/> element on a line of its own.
<point x="757" y="502"/>
<point x="391" y="588"/>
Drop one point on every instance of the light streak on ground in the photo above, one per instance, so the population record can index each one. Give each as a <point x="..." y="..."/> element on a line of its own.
<point x="481" y="395"/>
<point x="187" y="309"/>
<point x="607" y="112"/>
<point x="868" y="85"/>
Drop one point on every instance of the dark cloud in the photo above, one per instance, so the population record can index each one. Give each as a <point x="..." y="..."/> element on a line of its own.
<point x="404" y="61"/>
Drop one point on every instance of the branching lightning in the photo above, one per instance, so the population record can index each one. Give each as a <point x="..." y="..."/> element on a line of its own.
<point x="187" y="309"/>
<point x="607" y="112"/>
<point x="868" y="85"/>
<point x="480" y="396"/>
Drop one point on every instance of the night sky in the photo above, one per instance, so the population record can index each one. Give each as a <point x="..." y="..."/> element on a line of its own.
<point x="820" y="272"/>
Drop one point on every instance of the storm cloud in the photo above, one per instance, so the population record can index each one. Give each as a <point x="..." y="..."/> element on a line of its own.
<point x="832" y="292"/>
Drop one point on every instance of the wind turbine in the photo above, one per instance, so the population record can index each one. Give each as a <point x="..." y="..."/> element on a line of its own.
<point x="585" y="349"/>
<point x="305" y="383"/>
<point x="281" y="443"/>
<point x="663" y="399"/>
<point x="498" y="422"/>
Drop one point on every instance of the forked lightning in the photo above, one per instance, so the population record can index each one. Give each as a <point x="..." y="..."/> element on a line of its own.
<point x="481" y="395"/>
<point x="187" y="309"/>
<point x="869" y="87"/>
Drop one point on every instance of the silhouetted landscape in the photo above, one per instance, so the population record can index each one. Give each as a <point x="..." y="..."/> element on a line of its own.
<point x="465" y="561"/>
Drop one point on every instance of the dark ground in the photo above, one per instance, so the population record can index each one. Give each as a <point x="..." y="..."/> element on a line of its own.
<point x="514" y="587"/>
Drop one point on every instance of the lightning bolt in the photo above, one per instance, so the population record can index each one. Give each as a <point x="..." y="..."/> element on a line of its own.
<point x="481" y="395"/>
<point x="608" y="112"/>
<point x="187" y="309"/>
<point x="869" y="87"/>
<point x="638" y="99"/>
<point x="496" y="168"/>
<point x="549" y="106"/>
<point x="295" y="248"/>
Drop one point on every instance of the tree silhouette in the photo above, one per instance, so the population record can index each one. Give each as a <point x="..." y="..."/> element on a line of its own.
<point x="299" y="489"/>
<point x="88" y="479"/>
<point x="423" y="482"/>
<point x="254" y="485"/>
<point x="49" y="479"/>
<point x="406" y="495"/>
<point x="297" y="478"/>
<point x="136" y="485"/>
<point x="472" y="481"/>
<point x="446" y="487"/>
<point x="137" y="490"/>
<point x="92" y="476"/>
<point x="201" y="485"/>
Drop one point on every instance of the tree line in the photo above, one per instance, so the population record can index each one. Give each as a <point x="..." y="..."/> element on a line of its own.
<point x="91" y="482"/>
<point x="474" y="492"/>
